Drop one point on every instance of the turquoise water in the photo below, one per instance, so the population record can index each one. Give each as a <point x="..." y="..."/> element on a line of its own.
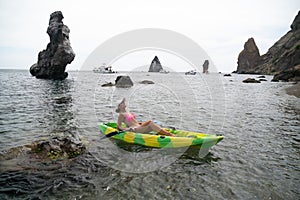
<point x="258" y="158"/>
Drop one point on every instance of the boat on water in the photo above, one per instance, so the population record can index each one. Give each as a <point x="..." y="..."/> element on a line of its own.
<point x="104" y="69"/>
<point x="163" y="71"/>
<point x="191" y="72"/>
<point x="181" y="139"/>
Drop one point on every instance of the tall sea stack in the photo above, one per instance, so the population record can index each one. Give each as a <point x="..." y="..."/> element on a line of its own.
<point x="248" y="58"/>
<point x="205" y="66"/>
<point x="52" y="62"/>
<point x="155" y="65"/>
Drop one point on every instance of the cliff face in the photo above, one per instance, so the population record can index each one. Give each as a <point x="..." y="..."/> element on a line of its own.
<point x="52" y="62"/>
<point x="155" y="65"/>
<point x="282" y="56"/>
<point x="248" y="58"/>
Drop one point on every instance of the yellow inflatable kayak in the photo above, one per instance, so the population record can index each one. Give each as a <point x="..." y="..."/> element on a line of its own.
<point x="182" y="138"/>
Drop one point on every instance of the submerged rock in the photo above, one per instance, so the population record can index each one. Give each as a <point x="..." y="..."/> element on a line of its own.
<point x="294" y="90"/>
<point x="52" y="62"/>
<point x="58" y="147"/>
<point x="123" y="81"/>
<point x="155" y="65"/>
<point x="146" y="82"/>
<point x="110" y="84"/>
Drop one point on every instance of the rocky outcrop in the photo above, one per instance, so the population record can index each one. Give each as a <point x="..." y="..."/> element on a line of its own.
<point x="291" y="74"/>
<point x="205" y="66"/>
<point x="250" y="80"/>
<point x="155" y="65"/>
<point x="280" y="59"/>
<point x="52" y="62"/>
<point x="58" y="147"/>
<point x="123" y="81"/>
<point x="248" y="58"/>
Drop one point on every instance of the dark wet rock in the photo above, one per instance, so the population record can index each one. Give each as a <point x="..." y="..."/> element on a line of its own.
<point x="282" y="56"/>
<point x="123" y="81"/>
<point x="155" y="65"/>
<point x="248" y="58"/>
<point x="274" y="80"/>
<point x="58" y="147"/>
<point x="250" y="80"/>
<point x="110" y="84"/>
<point x="52" y="62"/>
<point x="146" y="82"/>
<point x="227" y="74"/>
<point x="292" y="74"/>
<point x="205" y="66"/>
<point x="261" y="77"/>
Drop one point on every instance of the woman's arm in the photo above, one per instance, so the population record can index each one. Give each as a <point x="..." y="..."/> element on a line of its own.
<point x="119" y="122"/>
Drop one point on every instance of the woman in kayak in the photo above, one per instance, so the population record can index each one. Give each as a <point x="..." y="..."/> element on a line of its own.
<point x="132" y="125"/>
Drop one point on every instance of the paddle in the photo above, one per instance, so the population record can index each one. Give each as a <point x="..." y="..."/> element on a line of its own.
<point x="111" y="134"/>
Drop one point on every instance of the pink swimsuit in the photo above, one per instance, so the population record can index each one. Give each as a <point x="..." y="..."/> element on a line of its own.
<point x="130" y="117"/>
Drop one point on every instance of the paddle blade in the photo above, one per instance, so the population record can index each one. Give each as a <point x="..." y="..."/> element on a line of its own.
<point x="111" y="134"/>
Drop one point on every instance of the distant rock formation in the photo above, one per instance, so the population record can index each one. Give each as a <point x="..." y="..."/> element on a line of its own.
<point x="123" y="81"/>
<point x="205" y="66"/>
<point x="155" y="65"/>
<point x="248" y="58"/>
<point x="280" y="59"/>
<point x="52" y="62"/>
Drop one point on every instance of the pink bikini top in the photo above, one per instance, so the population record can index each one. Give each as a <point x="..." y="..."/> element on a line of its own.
<point x="129" y="117"/>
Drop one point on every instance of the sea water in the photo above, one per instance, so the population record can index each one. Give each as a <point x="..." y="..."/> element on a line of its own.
<point x="257" y="159"/>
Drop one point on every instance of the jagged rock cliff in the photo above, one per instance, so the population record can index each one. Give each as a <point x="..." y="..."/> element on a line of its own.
<point x="52" y="62"/>
<point x="283" y="56"/>
<point x="248" y="58"/>
<point x="205" y="66"/>
<point x="155" y="65"/>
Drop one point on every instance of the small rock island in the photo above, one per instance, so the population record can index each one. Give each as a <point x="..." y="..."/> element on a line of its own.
<point x="155" y="65"/>
<point x="52" y="62"/>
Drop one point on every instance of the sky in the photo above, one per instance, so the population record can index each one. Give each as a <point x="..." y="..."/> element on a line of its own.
<point x="220" y="27"/>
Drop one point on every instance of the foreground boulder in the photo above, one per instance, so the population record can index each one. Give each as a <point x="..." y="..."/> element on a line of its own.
<point x="52" y="62"/>
<point x="123" y="81"/>
<point x="58" y="147"/>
